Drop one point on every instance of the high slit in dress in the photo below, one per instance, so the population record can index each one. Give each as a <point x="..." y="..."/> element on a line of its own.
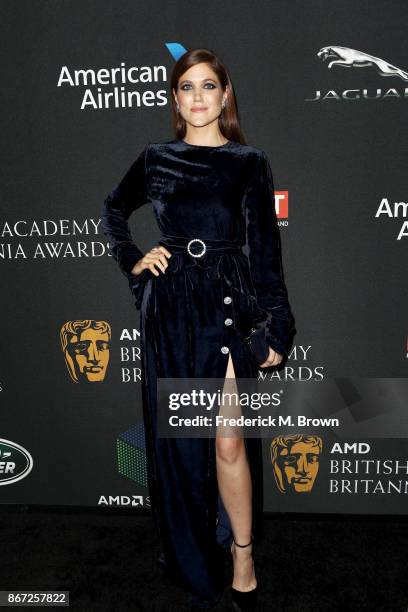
<point x="192" y="317"/>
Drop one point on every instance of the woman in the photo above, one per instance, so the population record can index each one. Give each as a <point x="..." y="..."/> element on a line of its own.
<point x="199" y="295"/>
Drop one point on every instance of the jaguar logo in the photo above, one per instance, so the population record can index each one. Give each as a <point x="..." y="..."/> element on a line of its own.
<point x="351" y="58"/>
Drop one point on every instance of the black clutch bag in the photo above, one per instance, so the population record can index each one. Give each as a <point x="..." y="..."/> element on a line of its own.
<point x="256" y="345"/>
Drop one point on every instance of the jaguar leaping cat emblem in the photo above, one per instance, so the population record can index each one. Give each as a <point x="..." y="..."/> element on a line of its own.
<point x="351" y="58"/>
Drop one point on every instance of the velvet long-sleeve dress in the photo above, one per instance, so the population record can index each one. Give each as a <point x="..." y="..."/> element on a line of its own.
<point x="192" y="317"/>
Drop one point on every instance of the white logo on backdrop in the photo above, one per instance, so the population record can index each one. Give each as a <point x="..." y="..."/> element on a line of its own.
<point x="117" y="87"/>
<point x="351" y="58"/>
<point x="394" y="210"/>
<point x="124" y="500"/>
<point x="51" y="239"/>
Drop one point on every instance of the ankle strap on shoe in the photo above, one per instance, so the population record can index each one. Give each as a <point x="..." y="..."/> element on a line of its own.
<point x="243" y="545"/>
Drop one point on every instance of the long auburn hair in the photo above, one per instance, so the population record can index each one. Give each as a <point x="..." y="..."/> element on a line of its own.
<point x="228" y="120"/>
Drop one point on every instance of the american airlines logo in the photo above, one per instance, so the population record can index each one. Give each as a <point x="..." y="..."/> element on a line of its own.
<point x="344" y="57"/>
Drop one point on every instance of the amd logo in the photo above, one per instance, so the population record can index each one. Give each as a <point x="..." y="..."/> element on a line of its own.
<point x="124" y="500"/>
<point x="358" y="448"/>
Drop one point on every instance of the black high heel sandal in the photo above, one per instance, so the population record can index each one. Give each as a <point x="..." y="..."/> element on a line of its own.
<point x="244" y="601"/>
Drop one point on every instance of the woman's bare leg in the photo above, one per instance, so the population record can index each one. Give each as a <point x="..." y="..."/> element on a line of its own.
<point x="235" y="487"/>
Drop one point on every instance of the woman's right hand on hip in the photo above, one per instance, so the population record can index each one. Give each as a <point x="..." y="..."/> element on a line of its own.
<point x="157" y="256"/>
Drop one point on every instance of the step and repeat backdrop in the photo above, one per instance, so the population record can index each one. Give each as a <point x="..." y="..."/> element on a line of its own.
<point x="324" y="91"/>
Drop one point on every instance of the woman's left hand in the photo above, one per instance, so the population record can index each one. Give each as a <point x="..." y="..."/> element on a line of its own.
<point x="273" y="359"/>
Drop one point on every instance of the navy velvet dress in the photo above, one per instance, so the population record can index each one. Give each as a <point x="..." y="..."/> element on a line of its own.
<point x="192" y="317"/>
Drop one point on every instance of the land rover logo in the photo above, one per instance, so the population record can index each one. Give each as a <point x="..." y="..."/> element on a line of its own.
<point x="15" y="462"/>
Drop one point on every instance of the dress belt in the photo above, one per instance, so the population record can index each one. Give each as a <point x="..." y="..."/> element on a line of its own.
<point x="197" y="247"/>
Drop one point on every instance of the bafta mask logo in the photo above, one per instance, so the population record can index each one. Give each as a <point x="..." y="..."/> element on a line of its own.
<point x="85" y="345"/>
<point x="295" y="460"/>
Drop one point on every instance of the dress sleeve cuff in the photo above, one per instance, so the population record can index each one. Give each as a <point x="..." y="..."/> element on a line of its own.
<point x="137" y="283"/>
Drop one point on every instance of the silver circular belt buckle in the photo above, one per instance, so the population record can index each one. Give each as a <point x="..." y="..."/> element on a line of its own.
<point x="196" y="254"/>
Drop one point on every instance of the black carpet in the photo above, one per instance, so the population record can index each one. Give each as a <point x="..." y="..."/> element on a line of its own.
<point x="107" y="560"/>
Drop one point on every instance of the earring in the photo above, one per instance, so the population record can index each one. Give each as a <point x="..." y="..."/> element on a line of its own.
<point x="177" y="106"/>
<point x="223" y="105"/>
